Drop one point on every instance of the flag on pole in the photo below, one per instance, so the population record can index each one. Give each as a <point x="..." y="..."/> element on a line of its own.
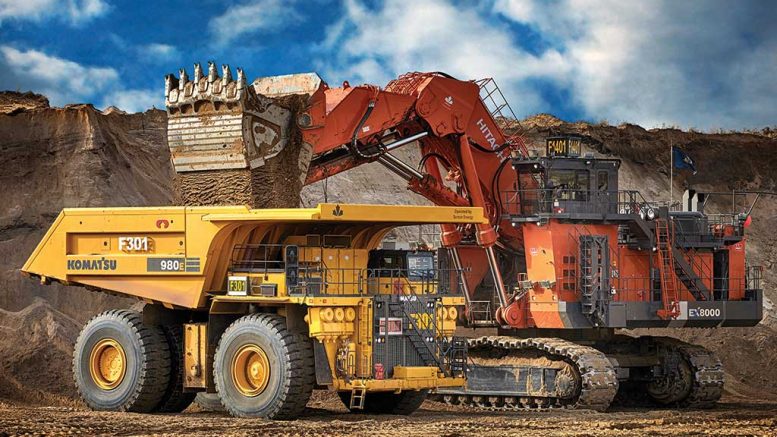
<point x="681" y="160"/>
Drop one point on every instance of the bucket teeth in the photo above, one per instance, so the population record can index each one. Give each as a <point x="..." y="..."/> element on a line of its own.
<point x="241" y="78"/>
<point x="212" y="72"/>
<point x="181" y="91"/>
<point x="197" y="72"/>
<point x="226" y="74"/>
<point x="182" y="79"/>
<point x="171" y="83"/>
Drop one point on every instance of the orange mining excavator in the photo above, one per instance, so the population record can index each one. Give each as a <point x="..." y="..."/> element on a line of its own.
<point x="566" y="260"/>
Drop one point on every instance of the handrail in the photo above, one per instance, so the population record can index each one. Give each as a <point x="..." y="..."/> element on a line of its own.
<point x="567" y="200"/>
<point x="317" y="279"/>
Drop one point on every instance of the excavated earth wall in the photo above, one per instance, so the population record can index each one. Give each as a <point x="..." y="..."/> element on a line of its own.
<point x="53" y="158"/>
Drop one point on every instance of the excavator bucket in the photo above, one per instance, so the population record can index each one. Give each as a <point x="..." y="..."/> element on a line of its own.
<point x="225" y="135"/>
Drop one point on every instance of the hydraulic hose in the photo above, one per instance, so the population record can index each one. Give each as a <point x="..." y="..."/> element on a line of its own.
<point x="353" y="146"/>
<point x="423" y="160"/>
<point x="483" y="149"/>
<point x="495" y="190"/>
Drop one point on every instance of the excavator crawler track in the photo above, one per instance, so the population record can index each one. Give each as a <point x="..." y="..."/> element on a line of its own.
<point x="706" y="371"/>
<point x="598" y="381"/>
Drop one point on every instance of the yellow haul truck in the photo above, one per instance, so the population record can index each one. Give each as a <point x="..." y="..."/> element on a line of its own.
<point x="259" y="306"/>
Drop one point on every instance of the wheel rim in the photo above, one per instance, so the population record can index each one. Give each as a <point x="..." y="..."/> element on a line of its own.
<point x="250" y="370"/>
<point x="107" y="364"/>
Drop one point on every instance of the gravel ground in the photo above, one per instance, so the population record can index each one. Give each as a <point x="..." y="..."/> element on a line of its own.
<point x="731" y="417"/>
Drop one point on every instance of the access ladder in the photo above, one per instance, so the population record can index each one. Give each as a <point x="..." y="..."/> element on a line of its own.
<point x="666" y="268"/>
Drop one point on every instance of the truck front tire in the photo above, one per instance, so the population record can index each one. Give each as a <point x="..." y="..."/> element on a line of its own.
<point x="119" y="364"/>
<point x="261" y="369"/>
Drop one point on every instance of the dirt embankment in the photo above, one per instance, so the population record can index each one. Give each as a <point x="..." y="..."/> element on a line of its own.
<point x="12" y="102"/>
<point x="53" y="158"/>
<point x="36" y="354"/>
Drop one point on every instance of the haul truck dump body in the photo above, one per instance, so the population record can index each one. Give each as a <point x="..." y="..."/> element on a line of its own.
<point x="259" y="306"/>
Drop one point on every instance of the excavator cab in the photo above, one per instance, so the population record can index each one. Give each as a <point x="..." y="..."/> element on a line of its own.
<point x="568" y="183"/>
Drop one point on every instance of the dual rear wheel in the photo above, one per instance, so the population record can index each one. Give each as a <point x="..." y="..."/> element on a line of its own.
<point x="119" y="364"/>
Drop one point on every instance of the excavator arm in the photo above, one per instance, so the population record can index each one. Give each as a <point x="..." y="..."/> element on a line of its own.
<point x="349" y="126"/>
<point x="457" y="135"/>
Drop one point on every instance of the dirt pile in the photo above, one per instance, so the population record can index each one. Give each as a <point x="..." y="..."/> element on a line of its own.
<point x="222" y="187"/>
<point x="36" y="352"/>
<point x="12" y="102"/>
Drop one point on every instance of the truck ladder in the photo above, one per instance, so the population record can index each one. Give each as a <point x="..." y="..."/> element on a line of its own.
<point x="358" y="393"/>
<point x="666" y="268"/>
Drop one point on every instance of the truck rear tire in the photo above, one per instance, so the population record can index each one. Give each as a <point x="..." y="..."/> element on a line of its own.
<point x="119" y="364"/>
<point x="404" y="403"/>
<point x="175" y="399"/>
<point x="261" y="369"/>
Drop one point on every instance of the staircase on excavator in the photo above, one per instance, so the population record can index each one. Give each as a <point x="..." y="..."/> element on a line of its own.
<point x="669" y="293"/>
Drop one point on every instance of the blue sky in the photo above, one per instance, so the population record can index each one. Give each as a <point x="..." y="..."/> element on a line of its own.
<point x="694" y="64"/>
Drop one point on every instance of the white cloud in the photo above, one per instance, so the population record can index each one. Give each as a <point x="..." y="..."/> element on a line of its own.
<point x="74" y="11"/>
<point x="64" y="81"/>
<point x="695" y="64"/>
<point x="134" y="100"/>
<point x="377" y="45"/>
<point x="158" y="51"/>
<point x="251" y="17"/>
<point x="706" y="65"/>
